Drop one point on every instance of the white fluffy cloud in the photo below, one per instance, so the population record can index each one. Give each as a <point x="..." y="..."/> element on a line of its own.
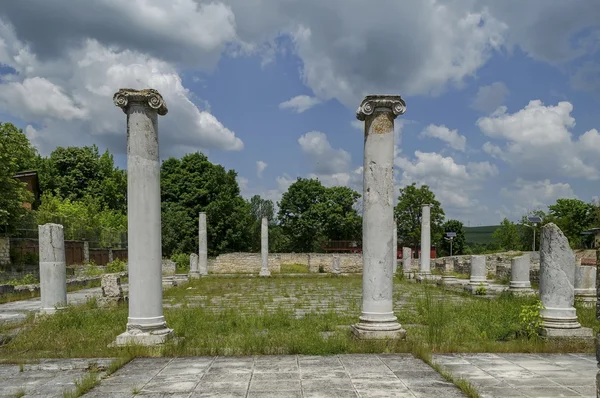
<point x="71" y="98"/>
<point x="489" y="98"/>
<point x="452" y="183"/>
<point x="525" y="196"/>
<point x="260" y="167"/>
<point x="537" y="141"/>
<point x="300" y="103"/>
<point x="325" y="160"/>
<point x="451" y="137"/>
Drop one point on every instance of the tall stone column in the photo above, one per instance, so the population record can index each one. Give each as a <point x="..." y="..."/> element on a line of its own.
<point x="395" y="248"/>
<point x="53" y="269"/>
<point x="146" y="324"/>
<point x="202" y="245"/>
<point x="377" y="320"/>
<point x="264" y="247"/>
<point x="425" y="264"/>
<point x="557" y="274"/>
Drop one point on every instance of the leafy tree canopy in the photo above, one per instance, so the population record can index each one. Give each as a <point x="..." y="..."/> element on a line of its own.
<point x="507" y="235"/>
<point x="16" y="154"/>
<point x="191" y="185"/>
<point x="408" y="214"/>
<point x="458" y="242"/>
<point x="310" y="213"/>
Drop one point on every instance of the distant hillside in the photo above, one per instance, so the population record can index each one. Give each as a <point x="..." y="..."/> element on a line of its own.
<point x="480" y="235"/>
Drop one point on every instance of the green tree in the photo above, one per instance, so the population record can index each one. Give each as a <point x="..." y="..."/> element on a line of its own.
<point x="572" y="216"/>
<point x="75" y="172"/>
<point x="526" y="230"/>
<point x="458" y="242"/>
<point x="408" y="214"/>
<point x="193" y="184"/>
<point x="507" y="235"/>
<point x="16" y="154"/>
<point x="261" y="208"/>
<point x="310" y="213"/>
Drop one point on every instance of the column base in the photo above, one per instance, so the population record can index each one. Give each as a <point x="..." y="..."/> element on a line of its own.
<point x="522" y="291"/>
<point x="587" y="300"/>
<point x="580" y="332"/>
<point x="448" y="280"/>
<point x="49" y="311"/>
<point x="143" y="337"/>
<point x="378" y="329"/>
<point x="195" y="275"/>
<point x="424" y="276"/>
<point x="559" y="318"/>
<point x="474" y="287"/>
<point x="264" y="272"/>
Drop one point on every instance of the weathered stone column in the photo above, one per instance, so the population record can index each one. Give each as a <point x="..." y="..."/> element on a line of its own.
<point x="53" y="269"/>
<point x="264" y="247"/>
<point x="585" y="284"/>
<point x="146" y="324"/>
<point x="448" y="278"/>
<point x="202" y="245"/>
<point x="86" y="252"/>
<point x="395" y="248"/>
<point x="194" y="271"/>
<point x="478" y="277"/>
<point x="425" y="265"/>
<point x="378" y="319"/>
<point x="407" y="260"/>
<point x="519" y="275"/>
<point x="557" y="274"/>
<point x="335" y="266"/>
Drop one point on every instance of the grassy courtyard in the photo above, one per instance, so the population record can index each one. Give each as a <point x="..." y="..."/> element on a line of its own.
<point x="299" y="315"/>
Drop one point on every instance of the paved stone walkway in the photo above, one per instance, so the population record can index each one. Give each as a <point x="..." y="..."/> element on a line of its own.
<point x="278" y="376"/>
<point x="525" y="375"/>
<point x="352" y="375"/>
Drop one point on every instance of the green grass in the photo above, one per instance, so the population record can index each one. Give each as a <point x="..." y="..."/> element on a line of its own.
<point x="294" y="269"/>
<point x="480" y="235"/>
<point x="19" y="394"/>
<point x="256" y="316"/>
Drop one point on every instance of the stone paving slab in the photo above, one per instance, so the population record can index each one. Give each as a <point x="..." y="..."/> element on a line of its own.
<point x="49" y="378"/>
<point x="525" y="375"/>
<point x="389" y="375"/>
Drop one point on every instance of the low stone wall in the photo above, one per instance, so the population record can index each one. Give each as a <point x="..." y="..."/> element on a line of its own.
<point x="251" y="262"/>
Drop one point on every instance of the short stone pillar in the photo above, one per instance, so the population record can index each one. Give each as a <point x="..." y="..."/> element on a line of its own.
<point x="146" y="324"/>
<point x="264" y="247"/>
<point x="110" y="255"/>
<point x="448" y="277"/>
<point x="202" y="245"/>
<point x="557" y="274"/>
<point x="425" y="257"/>
<point x="407" y="260"/>
<point x="478" y="280"/>
<point x="519" y="275"/>
<point x="86" y="252"/>
<point x="335" y="265"/>
<point x="112" y="292"/>
<point x="53" y="268"/>
<point x="377" y="320"/>
<point x="585" y="285"/>
<point x="395" y="248"/>
<point x="194" y="270"/>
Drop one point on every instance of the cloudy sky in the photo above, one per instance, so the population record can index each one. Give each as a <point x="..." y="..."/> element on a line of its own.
<point x="502" y="96"/>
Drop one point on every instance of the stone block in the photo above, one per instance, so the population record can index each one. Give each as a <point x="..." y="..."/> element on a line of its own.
<point x="168" y="267"/>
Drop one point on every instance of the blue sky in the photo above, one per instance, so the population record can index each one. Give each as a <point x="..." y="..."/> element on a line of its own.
<point x="502" y="97"/>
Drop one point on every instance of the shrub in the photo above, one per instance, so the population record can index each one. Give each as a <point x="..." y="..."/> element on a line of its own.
<point x="531" y="320"/>
<point x="115" y="266"/>
<point x="182" y="261"/>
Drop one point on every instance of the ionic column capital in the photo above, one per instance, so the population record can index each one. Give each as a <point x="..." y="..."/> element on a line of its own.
<point x="147" y="97"/>
<point x="392" y="103"/>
